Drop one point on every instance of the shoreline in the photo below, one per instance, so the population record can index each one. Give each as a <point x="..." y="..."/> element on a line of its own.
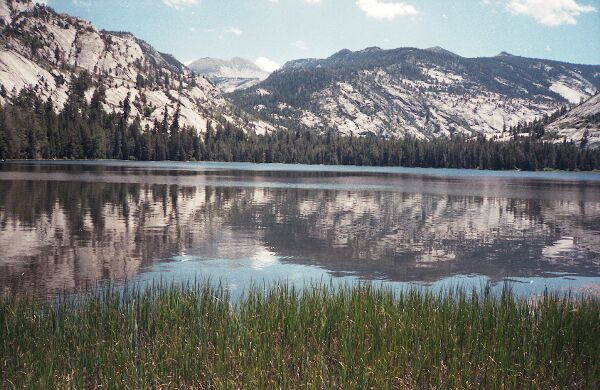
<point x="297" y="167"/>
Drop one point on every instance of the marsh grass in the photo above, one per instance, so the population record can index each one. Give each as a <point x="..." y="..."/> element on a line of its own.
<point x="362" y="336"/>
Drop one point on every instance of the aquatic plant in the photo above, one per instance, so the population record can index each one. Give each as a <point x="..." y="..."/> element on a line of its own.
<point x="362" y="336"/>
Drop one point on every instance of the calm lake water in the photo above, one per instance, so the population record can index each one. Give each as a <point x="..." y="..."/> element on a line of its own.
<point x="67" y="225"/>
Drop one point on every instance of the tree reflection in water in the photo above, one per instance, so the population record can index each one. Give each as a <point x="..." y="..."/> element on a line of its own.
<point x="65" y="234"/>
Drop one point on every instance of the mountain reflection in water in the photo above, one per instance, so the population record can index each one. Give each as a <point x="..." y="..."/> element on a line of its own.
<point x="65" y="226"/>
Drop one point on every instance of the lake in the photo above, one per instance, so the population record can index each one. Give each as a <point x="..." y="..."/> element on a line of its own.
<point x="68" y="225"/>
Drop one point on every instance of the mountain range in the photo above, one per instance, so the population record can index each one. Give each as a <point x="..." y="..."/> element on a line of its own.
<point x="424" y="93"/>
<point x="235" y="74"/>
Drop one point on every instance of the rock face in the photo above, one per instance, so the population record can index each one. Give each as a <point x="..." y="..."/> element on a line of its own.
<point x="423" y="93"/>
<point x="44" y="50"/>
<point x="581" y="122"/>
<point x="229" y="76"/>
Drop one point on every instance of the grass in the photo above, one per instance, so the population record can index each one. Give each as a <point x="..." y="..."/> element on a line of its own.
<point x="184" y="336"/>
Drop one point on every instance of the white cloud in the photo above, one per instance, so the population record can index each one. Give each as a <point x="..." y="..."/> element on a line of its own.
<point x="233" y="30"/>
<point x="266" y="64"/>
<point x="82" y="3"/>
<point x="550" y="12"/>
<point x="377" y="9"/>
<point x="306" y="1"/>
<point x="180" y="4"/>
<point x="300" y="45"/>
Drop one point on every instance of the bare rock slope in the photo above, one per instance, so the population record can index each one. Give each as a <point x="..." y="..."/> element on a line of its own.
<point x="423" y="93"/>
<point x="582" y="122"/>
<point x="45" y="51"/>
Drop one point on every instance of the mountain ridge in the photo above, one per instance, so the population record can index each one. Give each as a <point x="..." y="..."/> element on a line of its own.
<point x="45" y="51"/>
<point x="422" y="93"/>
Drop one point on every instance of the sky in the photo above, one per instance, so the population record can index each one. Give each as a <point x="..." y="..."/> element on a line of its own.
<point x="272" y="32"/>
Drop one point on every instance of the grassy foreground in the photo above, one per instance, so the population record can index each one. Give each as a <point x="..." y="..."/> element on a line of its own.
<point x="322" y="337"/>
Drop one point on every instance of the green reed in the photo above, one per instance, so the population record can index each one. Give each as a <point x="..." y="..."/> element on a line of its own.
<point x="318" y="337"/>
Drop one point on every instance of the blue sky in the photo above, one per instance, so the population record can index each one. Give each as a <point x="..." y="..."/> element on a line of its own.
<point x="281" y="30"/>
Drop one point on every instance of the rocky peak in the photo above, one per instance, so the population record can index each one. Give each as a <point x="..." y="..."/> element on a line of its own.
<point x="441" y="50"/>
<point x="505" y="54"/>
<point x="341" y="53"/>
<point x="371" y="49"/>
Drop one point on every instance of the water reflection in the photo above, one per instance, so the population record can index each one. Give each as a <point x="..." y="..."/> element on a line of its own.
<point x="65" y="226"/>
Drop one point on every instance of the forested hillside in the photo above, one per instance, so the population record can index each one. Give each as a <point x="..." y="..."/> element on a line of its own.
<point x="420" y="93"/>
<point x="31" y="129"/>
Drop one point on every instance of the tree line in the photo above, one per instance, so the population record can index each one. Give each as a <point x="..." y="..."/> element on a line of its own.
<point x="30" y="128"/>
